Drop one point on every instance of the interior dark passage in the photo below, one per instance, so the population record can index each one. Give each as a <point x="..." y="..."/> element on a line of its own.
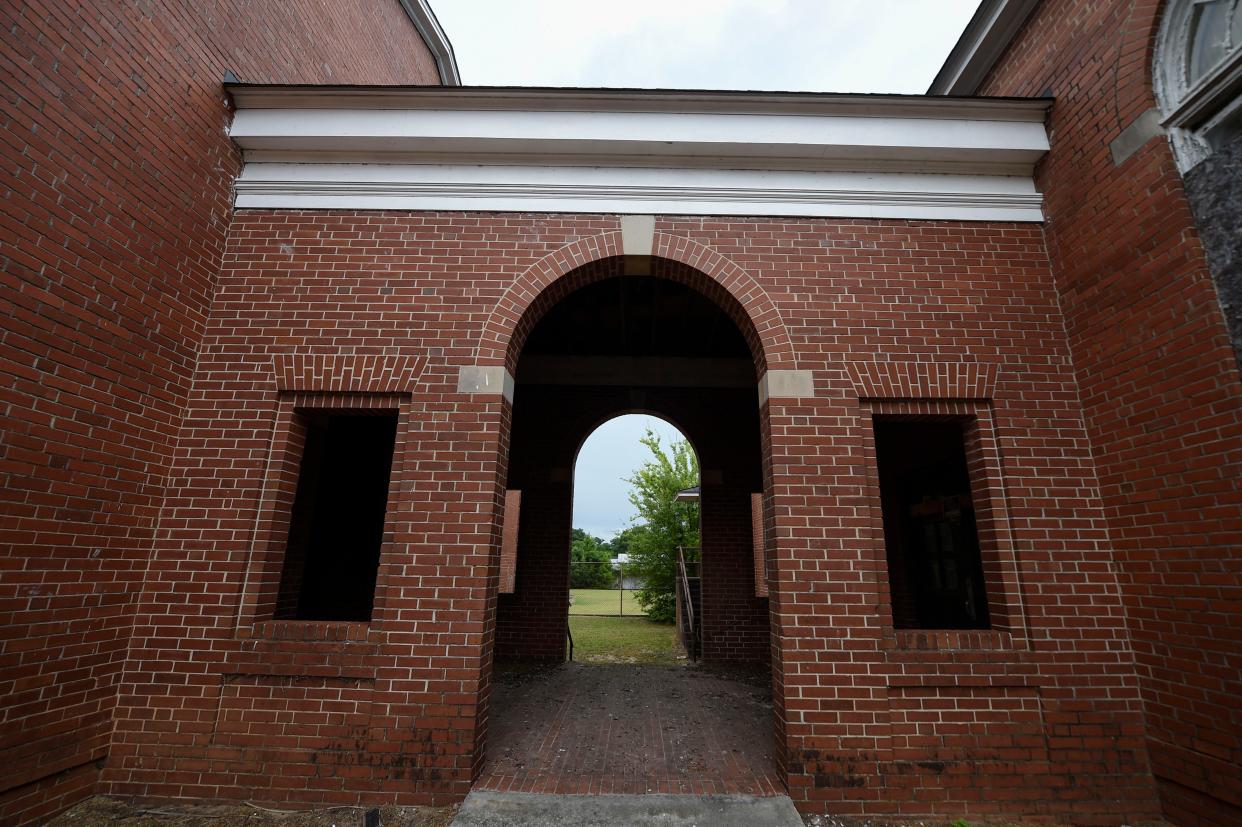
<point x="633" y="344"/>
<point x="935" y="567"/>
<point x="337" y="525"/>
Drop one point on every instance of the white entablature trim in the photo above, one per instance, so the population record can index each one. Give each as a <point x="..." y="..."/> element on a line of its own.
<point x="637" y="191"/>
<point x="628" y="152"/>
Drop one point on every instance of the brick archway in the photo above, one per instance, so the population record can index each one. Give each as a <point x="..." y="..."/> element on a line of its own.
<point x="740" y="627"/>
<point x="597" y="257"/>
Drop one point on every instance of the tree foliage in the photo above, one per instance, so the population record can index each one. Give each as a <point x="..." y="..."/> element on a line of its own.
<point x="620" y="542"/>
<point x="590" y="562"/>
<point x="662" y="523"/>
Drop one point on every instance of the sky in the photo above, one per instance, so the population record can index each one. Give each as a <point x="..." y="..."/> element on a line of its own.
<point x="773" y="45"/>
<point x="609" y="455"/>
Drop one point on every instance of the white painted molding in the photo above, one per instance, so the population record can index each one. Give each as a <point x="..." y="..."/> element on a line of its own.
<point x="637" y="191"/>
<point x="786" y="384"/>
<point x="429" y="29"/>
<point x="485" y="379"/>
<point x="792" y="155"/>
<point x="985" y="39"/>
<point x="665" y="101"/>
<point x="1203" y="113"/>
<point x="668" y="140"/>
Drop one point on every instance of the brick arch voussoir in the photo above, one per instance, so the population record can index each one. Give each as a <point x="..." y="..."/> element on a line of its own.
<point x="741" y="287"/>
<point x="507" y="315"/>
<point x="1136" y="54"/>
<point x="562" y="271"/>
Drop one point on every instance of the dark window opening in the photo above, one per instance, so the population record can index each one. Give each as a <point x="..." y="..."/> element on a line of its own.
<point x="934" y="563"/>
<point x="337" y="525"/>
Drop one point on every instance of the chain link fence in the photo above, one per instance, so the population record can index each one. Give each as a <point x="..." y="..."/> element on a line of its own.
<point x="603" y="588"/>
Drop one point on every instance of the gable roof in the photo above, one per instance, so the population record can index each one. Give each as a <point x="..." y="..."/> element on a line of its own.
<point x="984" y="40"/>
<point x="429" y="29"/>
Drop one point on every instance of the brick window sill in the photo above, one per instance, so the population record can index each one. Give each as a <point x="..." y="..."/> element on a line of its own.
<point x="326" y="631"/>
<point x="941" y="640"/>
<point x="305" y="648"/>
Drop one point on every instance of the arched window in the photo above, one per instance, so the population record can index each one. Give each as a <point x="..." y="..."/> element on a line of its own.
<point x="1198" y="75"/>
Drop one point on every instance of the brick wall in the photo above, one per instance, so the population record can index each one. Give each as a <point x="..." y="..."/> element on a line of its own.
<point x="853" y="294"/>
<point x="115" y="197"/>
<point x="1159" y="382"/>
<point x="531" y="622"/>
<point x="885" y="314"/>
<point x="398" y="322"/>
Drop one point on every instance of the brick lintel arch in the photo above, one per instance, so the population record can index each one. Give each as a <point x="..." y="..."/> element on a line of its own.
<point x="680" y="259"/>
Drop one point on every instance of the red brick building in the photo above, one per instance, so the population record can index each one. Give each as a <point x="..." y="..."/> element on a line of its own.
<point x="973" y="350"/>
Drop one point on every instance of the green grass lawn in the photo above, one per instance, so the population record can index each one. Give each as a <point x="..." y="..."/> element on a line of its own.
<point x="604" y="602"/>
<point x="624" y="640"/>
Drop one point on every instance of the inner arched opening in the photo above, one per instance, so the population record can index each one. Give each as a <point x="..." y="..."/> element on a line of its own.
<point x="634" y="551"/>
<point x="597" y="345"/>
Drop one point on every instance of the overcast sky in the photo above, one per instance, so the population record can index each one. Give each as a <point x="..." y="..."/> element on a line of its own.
<point x="611" y="454"/>
<point x="775" y="45"/>
<point x="784" y="45"/>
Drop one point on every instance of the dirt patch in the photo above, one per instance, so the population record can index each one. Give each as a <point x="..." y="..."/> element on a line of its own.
<point x="113" y="812"/>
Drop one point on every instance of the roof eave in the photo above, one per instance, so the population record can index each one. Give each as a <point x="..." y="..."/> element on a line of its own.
<point x="432" y="33"/>
<point x="517" y="98"/>
<point x="985" y="39"/>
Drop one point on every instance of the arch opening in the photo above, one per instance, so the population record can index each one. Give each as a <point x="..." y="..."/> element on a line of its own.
<point x="739" y="308"/>
<point x="610" y="338"/>
<point x="635" y="543"/>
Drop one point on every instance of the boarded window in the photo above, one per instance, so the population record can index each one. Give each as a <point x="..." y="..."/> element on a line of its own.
<point x="337" y="525"/>
<point x="509" y="542"/>
<point x="935" y="567"/>
<point x="760" y="551"/>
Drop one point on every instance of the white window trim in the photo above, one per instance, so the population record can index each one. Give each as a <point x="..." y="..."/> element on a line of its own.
<point x="1194" y="114"/>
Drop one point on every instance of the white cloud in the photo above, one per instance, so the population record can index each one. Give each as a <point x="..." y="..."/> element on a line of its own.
<point x="795" y="45"/>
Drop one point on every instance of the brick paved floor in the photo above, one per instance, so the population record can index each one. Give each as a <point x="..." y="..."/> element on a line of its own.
<point x="579" y="728"/>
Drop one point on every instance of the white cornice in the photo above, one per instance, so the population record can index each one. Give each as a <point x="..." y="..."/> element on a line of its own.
<point x="429" y="29"/>
<point x="984" y="40"/>
<point x="639" y="152"/>
<point x="644" y="138"/>
<point x="637" y="191"/>
<point x="678" y="101"/>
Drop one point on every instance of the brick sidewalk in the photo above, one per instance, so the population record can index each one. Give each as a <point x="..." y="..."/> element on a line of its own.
<point x="630" y="729"/>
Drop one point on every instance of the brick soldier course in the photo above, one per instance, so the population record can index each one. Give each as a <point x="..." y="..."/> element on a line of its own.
<point x="168" y="352"/>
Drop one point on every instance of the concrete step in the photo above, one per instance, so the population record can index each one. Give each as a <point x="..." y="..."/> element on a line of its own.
<point x="491" y="809"/>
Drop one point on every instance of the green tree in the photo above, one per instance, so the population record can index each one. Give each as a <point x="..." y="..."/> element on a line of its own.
<point x="620" y="542"/>
<point x="662" y="523"/>
<point x="590" y="562"/>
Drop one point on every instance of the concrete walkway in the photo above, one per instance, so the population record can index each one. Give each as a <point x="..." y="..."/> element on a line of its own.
<point x="491" y="809"/>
